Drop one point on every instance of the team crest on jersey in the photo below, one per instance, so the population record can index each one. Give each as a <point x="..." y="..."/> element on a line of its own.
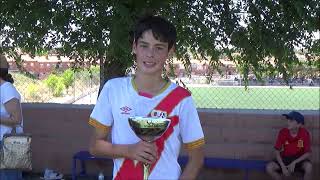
<point x="300" y="143"/>
<point x="158" y="114"/>
<point x="125" y="110"/>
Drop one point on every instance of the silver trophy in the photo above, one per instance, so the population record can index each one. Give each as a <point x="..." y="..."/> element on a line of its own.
<point x="148" y="129"/>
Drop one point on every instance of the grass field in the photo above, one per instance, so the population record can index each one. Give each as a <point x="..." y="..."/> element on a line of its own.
<point x="233" y="97"/>
<point x="298" y="98"/>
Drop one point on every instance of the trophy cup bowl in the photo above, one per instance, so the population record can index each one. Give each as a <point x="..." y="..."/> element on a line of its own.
<point x="148" y="129"/>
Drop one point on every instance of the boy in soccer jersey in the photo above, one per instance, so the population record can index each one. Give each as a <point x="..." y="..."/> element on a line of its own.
<point x="292" y="149"/>
<point x="148" y="94"/>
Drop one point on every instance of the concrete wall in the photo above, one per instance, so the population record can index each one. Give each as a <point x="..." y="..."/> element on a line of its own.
<point x="61" y="130"/>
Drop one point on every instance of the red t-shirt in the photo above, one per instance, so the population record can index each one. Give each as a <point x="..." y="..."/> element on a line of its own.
<point x="293" y="146"/>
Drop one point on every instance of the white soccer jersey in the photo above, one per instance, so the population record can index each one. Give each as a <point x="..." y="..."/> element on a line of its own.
<point x="7" y="93"/>
<point x="120" y="100"/>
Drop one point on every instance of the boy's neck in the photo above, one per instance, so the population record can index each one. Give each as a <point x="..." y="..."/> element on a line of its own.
<point x="149" y="84"/>
<point x="294" y="131"/>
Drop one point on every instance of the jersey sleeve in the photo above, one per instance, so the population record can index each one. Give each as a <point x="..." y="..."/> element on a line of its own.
<point x="190" y="126"/>
<point x="101" y="115"/>
<point x="280" y="140"/>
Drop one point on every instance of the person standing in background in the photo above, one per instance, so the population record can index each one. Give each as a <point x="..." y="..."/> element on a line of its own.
<point x="10" y="112"/>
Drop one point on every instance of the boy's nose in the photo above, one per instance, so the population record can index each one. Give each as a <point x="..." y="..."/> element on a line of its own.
<point x="150" y="52"/>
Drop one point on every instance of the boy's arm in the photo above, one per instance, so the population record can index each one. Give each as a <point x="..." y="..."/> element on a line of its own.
<point x="141" y="151"/>
<point x="192" y="138"/>
<point x="303" y="157"/>
<point x="279" y="147"/>
<point x="195" y="162"/>
<point x="14" y="109"/>
<point x="284" y="169"/>
<point x="279" y="159"/>
<point x="101" y="147"/>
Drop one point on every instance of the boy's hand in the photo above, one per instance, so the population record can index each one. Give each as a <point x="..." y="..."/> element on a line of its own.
<point x="144" y="152"/>
<point x="291" y="167"/>
<point x="285" y="171"/>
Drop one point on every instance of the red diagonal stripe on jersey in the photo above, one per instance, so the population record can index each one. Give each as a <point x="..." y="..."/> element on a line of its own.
<point x="161" y="141"/>
<point x="128" y="171"/>
<point x="167" y="105"/>
<point x="172" y="100"/>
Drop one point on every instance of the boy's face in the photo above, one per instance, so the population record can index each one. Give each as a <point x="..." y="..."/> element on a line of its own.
<point x="151" y="54"/>
<point x="292" y="124"/>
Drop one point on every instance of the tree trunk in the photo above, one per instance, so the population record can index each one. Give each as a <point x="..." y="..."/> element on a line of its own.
<point x="110" y="70"/>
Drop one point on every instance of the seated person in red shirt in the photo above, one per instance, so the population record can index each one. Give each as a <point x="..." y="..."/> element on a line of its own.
<point x="292" y="149"/>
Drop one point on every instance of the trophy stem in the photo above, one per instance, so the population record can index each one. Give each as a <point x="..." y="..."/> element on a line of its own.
<point x="146" y="171"/>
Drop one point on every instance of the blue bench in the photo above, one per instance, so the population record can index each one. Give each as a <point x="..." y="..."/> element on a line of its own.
<point x="209" y="162"/>
<point x="246" y="165"/>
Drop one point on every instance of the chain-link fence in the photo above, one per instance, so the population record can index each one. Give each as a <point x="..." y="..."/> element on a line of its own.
<point x="222" y="93"/>
<point x="81" y="86"/>
<point x="67" y="87"/>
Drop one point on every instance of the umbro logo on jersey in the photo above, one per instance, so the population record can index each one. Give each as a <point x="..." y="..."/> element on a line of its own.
<point x="125" y="110"/>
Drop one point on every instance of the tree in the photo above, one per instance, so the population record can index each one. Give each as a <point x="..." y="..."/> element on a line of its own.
<point x="68" y="78"/>
<point x="248" y="32"/>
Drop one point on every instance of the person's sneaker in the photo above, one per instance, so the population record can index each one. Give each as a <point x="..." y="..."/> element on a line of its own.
<point x="47" y="173"/>
<point x="51" y="175"/>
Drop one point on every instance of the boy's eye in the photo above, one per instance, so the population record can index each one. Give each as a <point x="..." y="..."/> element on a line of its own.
<point x="159" y="48"/>
<point x="143" y="45"/>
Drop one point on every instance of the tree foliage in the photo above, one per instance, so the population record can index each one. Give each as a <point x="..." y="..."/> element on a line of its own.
<point x="249" y="32"/>
<point x="68" y="77"/>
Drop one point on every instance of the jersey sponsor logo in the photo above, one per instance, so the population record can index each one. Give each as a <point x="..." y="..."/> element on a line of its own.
<point x="125" y="110"/>
<point x="300" y="143"/>
<point x="158" y="114"/>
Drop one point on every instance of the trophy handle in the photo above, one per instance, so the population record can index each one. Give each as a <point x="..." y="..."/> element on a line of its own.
<point x="146" y="171"/>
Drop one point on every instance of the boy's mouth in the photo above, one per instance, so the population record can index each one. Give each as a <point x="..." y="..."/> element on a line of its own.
<point x="149" y="64"/>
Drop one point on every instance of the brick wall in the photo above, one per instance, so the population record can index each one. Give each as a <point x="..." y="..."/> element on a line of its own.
<point x="61" y="130"/>
<point x="250" y="134"/>
<point x="41" y="69"/>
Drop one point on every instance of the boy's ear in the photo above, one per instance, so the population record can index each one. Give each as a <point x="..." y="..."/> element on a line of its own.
<point x="171" y="52"/>
<point x="134" y="47"/>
